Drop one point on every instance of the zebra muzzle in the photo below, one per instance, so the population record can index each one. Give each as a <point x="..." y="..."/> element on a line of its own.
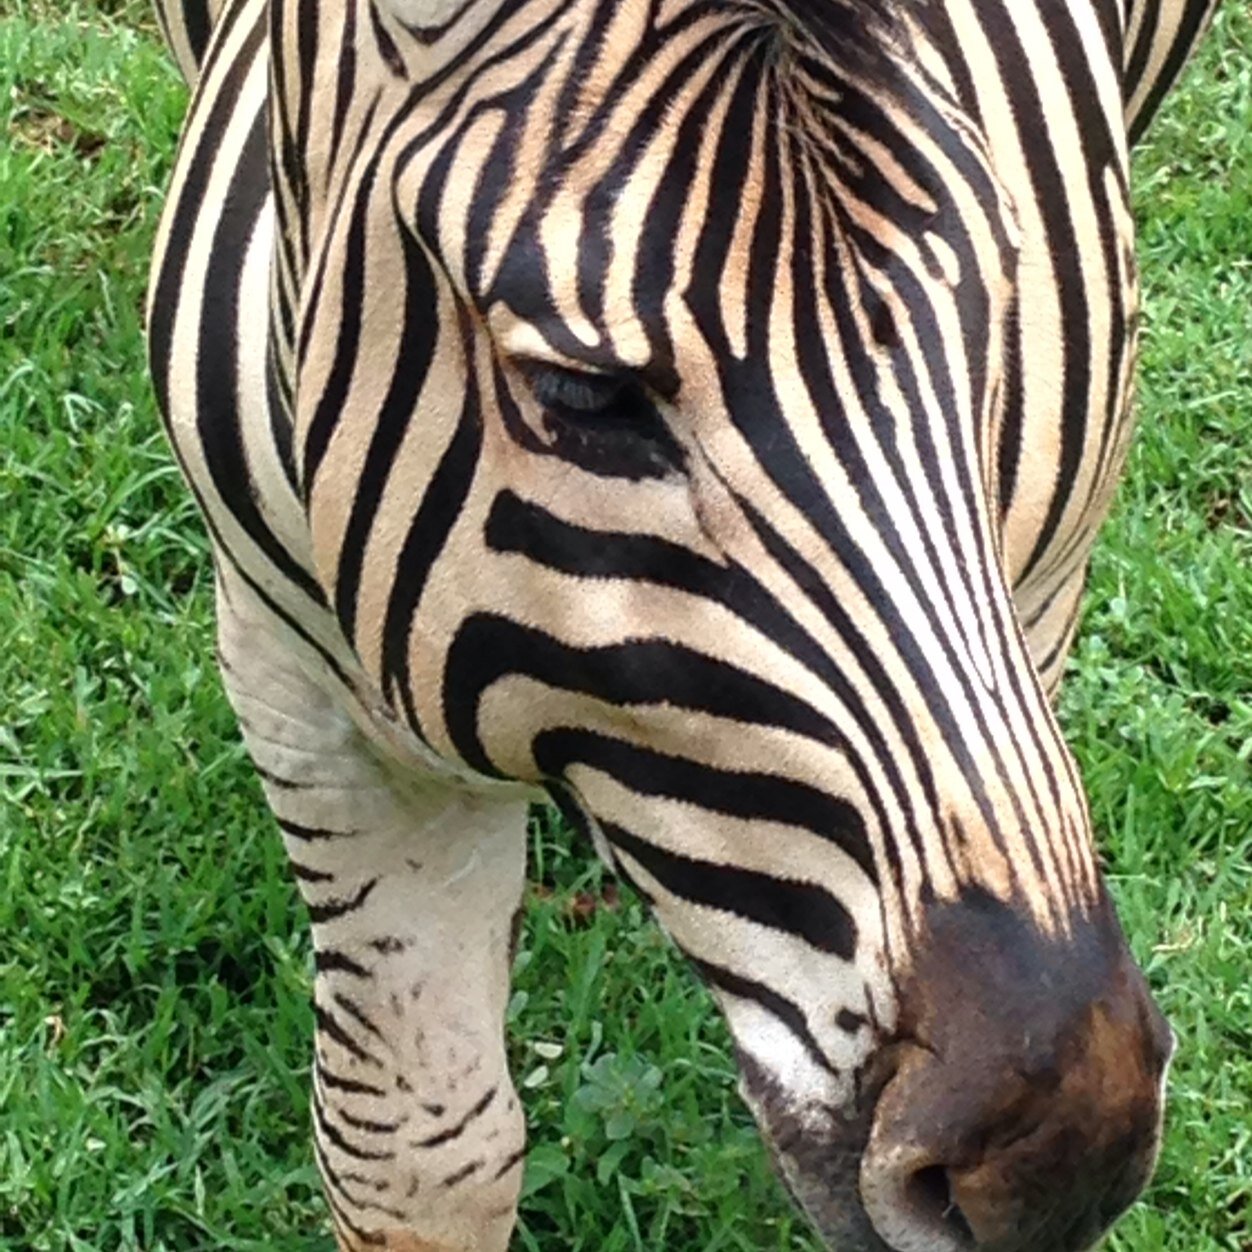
<point x="1025" y="1110"/>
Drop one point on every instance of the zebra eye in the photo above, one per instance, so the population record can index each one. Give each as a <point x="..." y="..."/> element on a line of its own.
<point x="604" y="423"/>
<point x="576" y="392"/>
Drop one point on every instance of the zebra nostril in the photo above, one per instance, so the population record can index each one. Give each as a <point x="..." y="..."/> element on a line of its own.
<point x="910" y="1201"/>
<point x="928" y="1194"/>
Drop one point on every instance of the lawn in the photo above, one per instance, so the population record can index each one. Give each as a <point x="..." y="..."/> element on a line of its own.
<point x="154" y="969"/>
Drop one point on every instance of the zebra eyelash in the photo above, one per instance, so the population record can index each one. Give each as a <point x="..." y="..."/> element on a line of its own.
<point x="607" y="424"/>
<point x="580" y="392"/>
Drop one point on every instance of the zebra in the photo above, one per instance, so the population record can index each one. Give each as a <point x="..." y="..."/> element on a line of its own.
<point x="698" y="414"/>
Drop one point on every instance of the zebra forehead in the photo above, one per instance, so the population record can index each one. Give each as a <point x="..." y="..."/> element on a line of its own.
<point x="839" y="28"/>
<point x="862" y="35"/>
<point x="837" y="24"/>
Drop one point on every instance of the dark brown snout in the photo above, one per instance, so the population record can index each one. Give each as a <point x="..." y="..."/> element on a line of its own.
<point x="1024" y="1114"/>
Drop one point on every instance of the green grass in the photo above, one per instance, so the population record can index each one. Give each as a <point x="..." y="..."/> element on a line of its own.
<point x="154" y="970"/>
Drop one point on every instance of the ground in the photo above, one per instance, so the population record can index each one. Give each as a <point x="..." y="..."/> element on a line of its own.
<point x="154" y="968"/>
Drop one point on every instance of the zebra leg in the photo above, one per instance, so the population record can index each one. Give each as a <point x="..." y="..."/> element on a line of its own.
<point x="413" y="888"/>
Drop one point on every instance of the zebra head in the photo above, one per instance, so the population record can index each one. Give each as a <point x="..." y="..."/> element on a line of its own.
<point x="665" y="471"/>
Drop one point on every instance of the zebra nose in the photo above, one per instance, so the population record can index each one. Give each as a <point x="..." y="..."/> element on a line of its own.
<point x="1009" y="1153"/>
<point x="1022" y="1106"/>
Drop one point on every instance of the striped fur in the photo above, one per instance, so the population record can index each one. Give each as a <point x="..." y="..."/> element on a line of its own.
<point x="699" y="412"/>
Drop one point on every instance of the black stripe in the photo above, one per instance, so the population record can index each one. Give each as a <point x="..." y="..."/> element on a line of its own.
<point x="186" y="216"/>
<point x="744" y="794"/>
<point x="217" y="366"/>
<point x="785" y="1010"/>
<point x="432" y="524"/>
<point x="306" y="873"/>
<point x="354" y="1010"/>
<point x="795" y="908"/>
<point x="329" y="1026"/>
<point x="1011" y="435"/>
<point x="345" y="81"/>
<point x="340" y="906"/>
<point x="386" y="45"/>
<point x="1192" y="27"/>
<point x="335" y="395"/>
<point x="1137" y="63"/>
<point x="278" y="403"/>
<point x="342" y="1223"/>
<point x="295" y="145"/>
<point x="338" y="1182"/>
<point x="333" y="961"/>
<point x="455" y="1132"/>
<point x="283" y="783"/>
<point x="335" y="1135"/>
<point x="214" y="50"/>
<point x="638" y="671"/>
<point x="195" y="15"/>
<point x="311" y="834"/>
<point x="510" y="1162"/>
<point x="420" y="322"/>
<point x="349" y="1086"/>
<point x="348" y="326"/>
<point x="1052" y="198"/>
<point x="368" y="1124"/>
<point x="463" y="1173"/>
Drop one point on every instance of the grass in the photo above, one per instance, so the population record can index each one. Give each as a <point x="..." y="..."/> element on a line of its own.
<point x="154" y="972"/>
